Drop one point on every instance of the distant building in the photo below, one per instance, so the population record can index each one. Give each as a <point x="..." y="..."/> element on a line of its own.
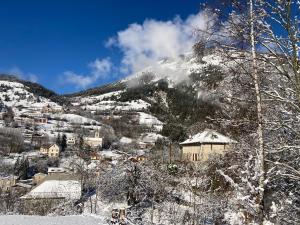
<point x="93" y="142"/>
<point x="71" y="140"/>
<point x="142" y="145"/>
<point x="52" y="150"/>
<point x="51" y="109"/>
<point x="38" y="178"/>
<point x="38" y="139"/>
<point x="148" y="140"/>
<point x="140" y="158"/>
<point x="40" y="120"/>
<point x="95" y="156"/>
<point x="56" y="170"/>
<point x="200" y="146"/>
<point x="7" y="182"/>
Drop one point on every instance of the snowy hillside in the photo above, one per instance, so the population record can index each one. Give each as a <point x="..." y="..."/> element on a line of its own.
<point x="27" y="105"/>
<point x="171" y="70"/>
<point x="19" y="96"/>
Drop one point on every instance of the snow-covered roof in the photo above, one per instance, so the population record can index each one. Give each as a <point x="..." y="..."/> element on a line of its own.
<point x="125" y="140"/>
<point x="56" y="170"/>
<point x="208" y="136"/>
<point x="68" y="189"/>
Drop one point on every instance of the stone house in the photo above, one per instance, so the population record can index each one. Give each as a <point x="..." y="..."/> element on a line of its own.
<point x="94" y="142"/>
<point x="200" y="146"/>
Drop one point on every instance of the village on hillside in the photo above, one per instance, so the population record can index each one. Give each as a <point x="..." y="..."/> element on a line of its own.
<point x="52" y="157"/>
<point x="143" y="112"/>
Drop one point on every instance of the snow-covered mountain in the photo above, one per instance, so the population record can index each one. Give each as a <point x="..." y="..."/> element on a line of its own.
<point x="184" y="90"/>
<point x="159" y="90"/>
<point x="24" y="103"/>
<point x="20" y="97"/>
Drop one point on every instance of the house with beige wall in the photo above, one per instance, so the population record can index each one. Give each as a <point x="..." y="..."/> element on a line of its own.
<point x="51" y="192"/>
<point x="7" y="182"/>
<point x="200" y="146"/>
<point x="38" y="178"/>
<point x="52" y="150"/>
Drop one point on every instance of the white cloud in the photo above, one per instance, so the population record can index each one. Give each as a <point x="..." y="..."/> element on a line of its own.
<point x="33" y="78"/>
<point x="110" y="42"/>
<point x="16" y="71"/>
<point x="144" y="44"/>
<point x="99" y="68"/>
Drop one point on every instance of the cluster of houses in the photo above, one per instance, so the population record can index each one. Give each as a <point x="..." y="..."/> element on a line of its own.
<point x="33" y="116"/>
<point x="62" y="183"/>
<point x="53" y="150"/>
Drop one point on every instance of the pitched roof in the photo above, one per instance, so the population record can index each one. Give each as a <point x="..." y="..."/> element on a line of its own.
<point x="68" y="189"/>
<point x="47" y="146"/>
<point x="208" y="136"/>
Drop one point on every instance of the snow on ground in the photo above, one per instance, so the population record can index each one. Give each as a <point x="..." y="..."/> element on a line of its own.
<point x="150" y="137"/>
<point x="7" y="161"/>
<point x="95" y="98"/>
<point x="148" y="120"/>
<point x="125" y="140"/>
<point x="49" y="220"/>
<point x="111" y="155"/>
<point x="17" y="94"/>
<point x="118" y="106"/>
<point x="76" y="119"/>
<point x="102" y="207"/>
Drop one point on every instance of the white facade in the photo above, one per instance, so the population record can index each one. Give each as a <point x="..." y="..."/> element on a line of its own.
<point x="71" y="141"/>
<point x="94" y="142"/>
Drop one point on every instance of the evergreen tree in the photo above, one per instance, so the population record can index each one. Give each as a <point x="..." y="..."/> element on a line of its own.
<point x="21" y="168"/>
<point x="58" y="140"/>
<point x="63" y="143"/>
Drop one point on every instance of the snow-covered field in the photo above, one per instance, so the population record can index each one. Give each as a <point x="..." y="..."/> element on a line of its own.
<point x="49" y="220"/>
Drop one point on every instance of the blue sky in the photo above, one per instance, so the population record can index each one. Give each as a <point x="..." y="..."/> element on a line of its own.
<point x="60" y="43"/>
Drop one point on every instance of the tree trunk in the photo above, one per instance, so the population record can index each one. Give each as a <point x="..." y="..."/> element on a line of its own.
<point x="260" y="152"/>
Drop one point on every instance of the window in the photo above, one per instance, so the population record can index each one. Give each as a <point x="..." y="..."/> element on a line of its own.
<point x="195" y="157"/>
